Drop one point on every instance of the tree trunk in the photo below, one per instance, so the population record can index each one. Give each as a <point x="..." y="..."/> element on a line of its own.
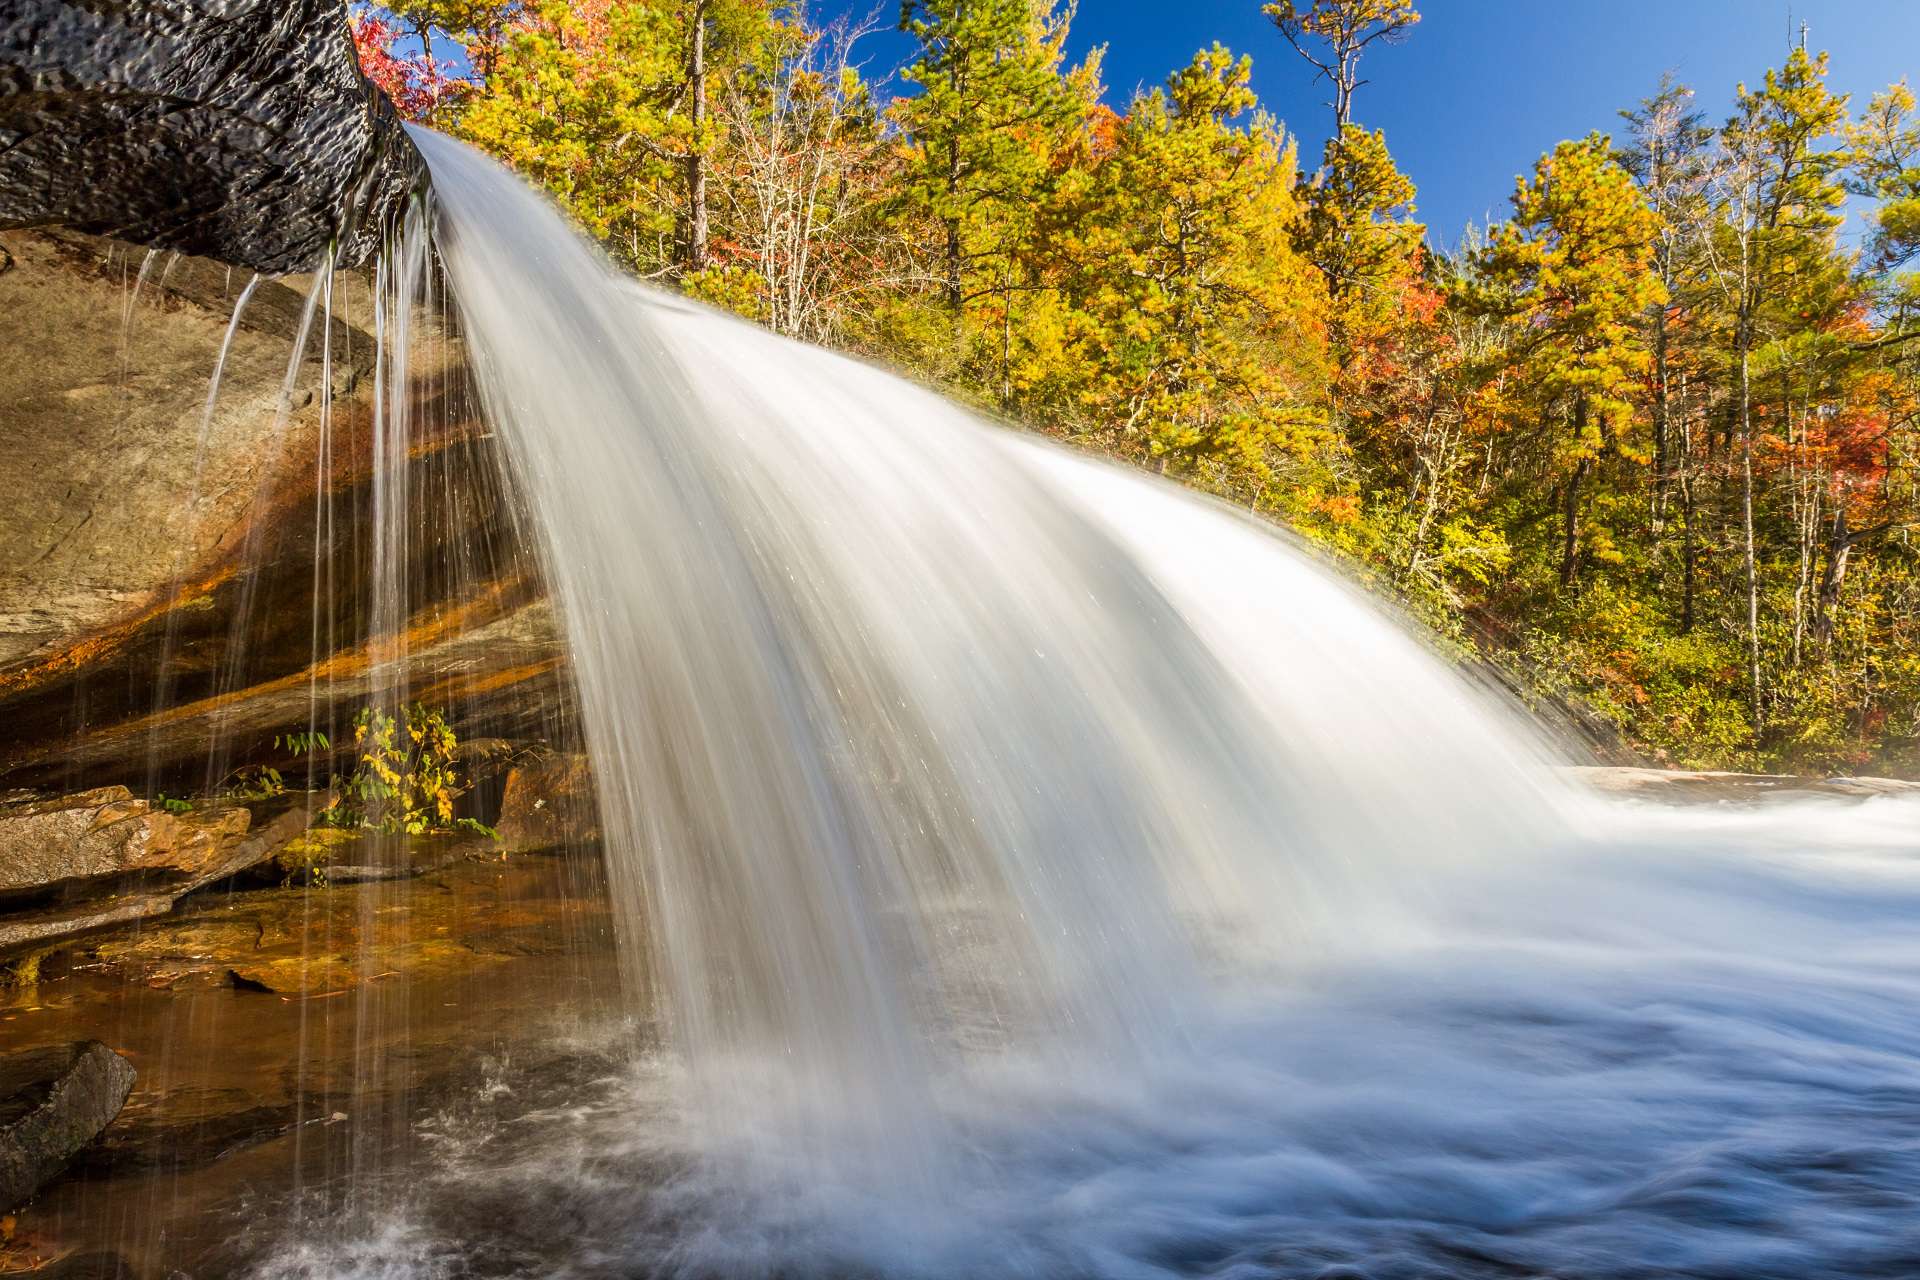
<point x="1840" y="545"/>
<point x="1570" y="540"/>
<point x="1832" y="578"/>
<point x="696" y="259"/>
<point x="1660" y="450"/>
<point x="1748" y="560"/>
<point x="954" y="291"/>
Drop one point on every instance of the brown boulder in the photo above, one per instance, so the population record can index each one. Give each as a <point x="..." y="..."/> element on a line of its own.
<point x="549" y="803"/>
<point x="106" y="832"/>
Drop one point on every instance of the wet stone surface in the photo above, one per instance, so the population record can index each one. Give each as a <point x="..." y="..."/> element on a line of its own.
<point x="287" y="1037"/>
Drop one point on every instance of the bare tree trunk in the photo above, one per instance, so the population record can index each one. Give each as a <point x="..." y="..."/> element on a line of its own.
<point x="1660" y="449"/>
<point x="955" y="295"/>
<point x="1832" y="578"/>
<point x="1689" y="554"/>
<point x="1840" y="545"/>
<point x="696" y="151"/>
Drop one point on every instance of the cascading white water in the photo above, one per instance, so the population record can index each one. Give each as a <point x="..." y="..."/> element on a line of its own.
<point x="1041" y="871"/>
<point x="908" y="728"/>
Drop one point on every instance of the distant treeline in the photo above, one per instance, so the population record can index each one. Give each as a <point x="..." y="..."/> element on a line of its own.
<point x="1650" y="443"/>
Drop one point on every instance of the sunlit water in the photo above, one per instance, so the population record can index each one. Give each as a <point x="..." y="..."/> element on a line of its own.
<point x="1035" y="870"/>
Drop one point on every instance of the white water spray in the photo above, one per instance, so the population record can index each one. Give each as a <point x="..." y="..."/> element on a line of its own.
<point x="906" y="726"/>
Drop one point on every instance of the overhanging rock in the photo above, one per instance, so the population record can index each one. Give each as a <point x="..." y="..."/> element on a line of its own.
<point x="234" y="129"/>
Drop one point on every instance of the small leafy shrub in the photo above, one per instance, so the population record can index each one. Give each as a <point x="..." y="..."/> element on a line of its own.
<point x="405" y="780"/>
<point x="254" y="782"/>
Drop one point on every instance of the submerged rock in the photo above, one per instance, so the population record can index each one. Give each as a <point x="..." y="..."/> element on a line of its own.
<point x="53" y="1102"/>
<point x="325" y="941"/>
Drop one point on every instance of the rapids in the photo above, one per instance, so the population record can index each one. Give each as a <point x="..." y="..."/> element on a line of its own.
<point x="1037" y="870"/>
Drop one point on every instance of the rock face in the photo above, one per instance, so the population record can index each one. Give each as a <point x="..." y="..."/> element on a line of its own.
<point x="217" y="846"/>
<point x="106" y="832"/>
<point x="176" y="568"/>
<point x="549" y="804"/>
<point x="53" y="1102"/>
<point x="242" y="130"/>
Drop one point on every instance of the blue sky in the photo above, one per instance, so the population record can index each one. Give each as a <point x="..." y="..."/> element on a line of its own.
<point x="1484" y="86"/>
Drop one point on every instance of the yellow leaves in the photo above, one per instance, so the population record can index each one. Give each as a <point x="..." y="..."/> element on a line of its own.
<point x="400" y="789"/>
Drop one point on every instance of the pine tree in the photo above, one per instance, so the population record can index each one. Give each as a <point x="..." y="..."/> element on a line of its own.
<point x="1206" y="315"/>
<point x="1783" y="196"/>
<point x="1575" y="267"/>
<point x="606" y="105"/>
<point x="1346" y="28"/>
<point x="994" y="105"/>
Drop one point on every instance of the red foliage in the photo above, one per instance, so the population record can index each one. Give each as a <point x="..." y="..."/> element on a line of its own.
<point x="415" y="84"/>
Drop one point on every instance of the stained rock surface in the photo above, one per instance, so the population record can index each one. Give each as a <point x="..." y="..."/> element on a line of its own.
<point x="106" y="832"/>
<point x="186" y="584"/>
<point x="549" y="803"/>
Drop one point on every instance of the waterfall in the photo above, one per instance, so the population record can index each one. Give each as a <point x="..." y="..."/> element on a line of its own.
<point x="1027" y="867"/>
<point x="914" y="733"/>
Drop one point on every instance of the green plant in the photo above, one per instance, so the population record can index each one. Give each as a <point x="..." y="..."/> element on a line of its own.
<point x="405" y="780"/>
<point x="301" y="744"/>
<point x="172" y="804"/>
<point x="254" y="782"/>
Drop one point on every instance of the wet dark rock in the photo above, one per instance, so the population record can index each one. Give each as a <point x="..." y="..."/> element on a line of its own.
<point x="53" y="1102"/>
<point x="92" y="1265"/>
<point x="187" y="1128"/>
<point x="27" y="931"/>
<point x="549" y="803"/>
<point x="242" y="130"/>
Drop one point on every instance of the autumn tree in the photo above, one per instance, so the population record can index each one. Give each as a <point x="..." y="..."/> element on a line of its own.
<point x="1333" y="34"/>
<point x="1205" y="314"/>
<point x="1575" y="268"/>
<point x="1884" y="148"/>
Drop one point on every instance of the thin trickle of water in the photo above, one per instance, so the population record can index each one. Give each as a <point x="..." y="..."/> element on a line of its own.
<point x="231" y="671"/>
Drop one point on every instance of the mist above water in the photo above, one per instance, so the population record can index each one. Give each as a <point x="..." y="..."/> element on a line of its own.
<point x="1038" y="870"/>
